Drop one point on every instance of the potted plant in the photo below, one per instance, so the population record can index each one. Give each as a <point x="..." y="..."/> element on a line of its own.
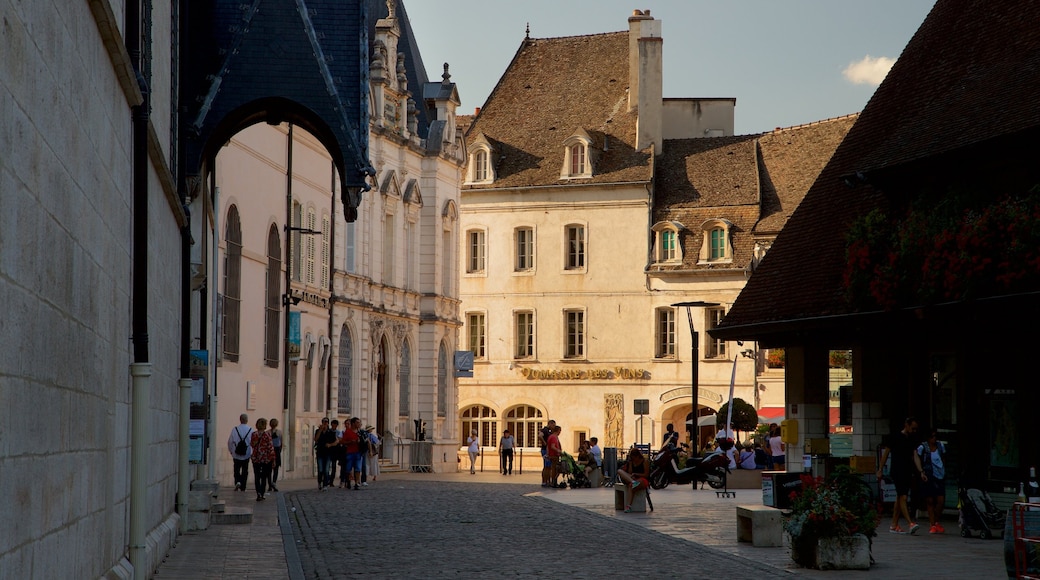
<point x="832" y="520"/>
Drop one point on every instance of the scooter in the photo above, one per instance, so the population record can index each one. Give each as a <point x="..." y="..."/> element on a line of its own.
<point x="710" y="469"/>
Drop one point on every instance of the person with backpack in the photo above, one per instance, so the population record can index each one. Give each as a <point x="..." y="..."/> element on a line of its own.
<point x="241" y="450"/>
<point x="929" y="459"/>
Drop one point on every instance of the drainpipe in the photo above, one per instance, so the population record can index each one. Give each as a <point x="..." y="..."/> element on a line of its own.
<point x="287" y="263"/>
<point x="141" y="369"/>
<point x="211" y="290"/>
<point x="332" y="289"/>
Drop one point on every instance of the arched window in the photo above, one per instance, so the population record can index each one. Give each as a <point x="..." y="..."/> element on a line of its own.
<point x="273" y="307"/>
<point x="484" y="420"/>
<point x="442" y="381"/>
<point x="346" y="370"/>
<point x="232" y="284"/>
<point x="524" y="422"/>
<point x="405" y="376"/>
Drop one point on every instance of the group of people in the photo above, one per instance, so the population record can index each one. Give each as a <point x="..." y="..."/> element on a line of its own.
<point x="590" y="455"/>
<point x="910" y="461"/>
<point x="353" y="449"/>
<point x="263" y="447"/>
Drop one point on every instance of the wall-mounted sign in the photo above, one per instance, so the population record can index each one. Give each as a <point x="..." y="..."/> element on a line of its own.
<point x="585" y="374"/>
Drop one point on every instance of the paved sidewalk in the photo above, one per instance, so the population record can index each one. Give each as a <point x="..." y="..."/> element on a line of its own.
<point x="267" y="548"/>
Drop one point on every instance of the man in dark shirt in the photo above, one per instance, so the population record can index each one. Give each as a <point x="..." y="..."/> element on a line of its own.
<point x="900" y="447"/>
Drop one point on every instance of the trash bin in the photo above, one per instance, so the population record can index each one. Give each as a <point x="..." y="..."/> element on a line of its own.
<point x="777" y="487"/>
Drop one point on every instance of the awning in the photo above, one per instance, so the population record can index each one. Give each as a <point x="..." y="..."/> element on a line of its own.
<point x="705" y="421"/>
<point x="771" y="414"/>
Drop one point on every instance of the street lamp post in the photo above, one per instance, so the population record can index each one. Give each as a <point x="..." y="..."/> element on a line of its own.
<point x="694" y="363"/>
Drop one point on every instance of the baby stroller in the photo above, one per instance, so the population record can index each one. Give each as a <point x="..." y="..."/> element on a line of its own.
<point x="573" y="472"/>
<point x="979" y="514"/>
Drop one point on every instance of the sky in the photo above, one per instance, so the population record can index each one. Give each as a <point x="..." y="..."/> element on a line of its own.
<point x="787" y="62"/>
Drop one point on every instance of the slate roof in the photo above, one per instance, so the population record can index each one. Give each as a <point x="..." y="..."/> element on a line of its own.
<point x="753" y="181"/>
<point x="969" y="76"/>
<point x="551" y="89"/>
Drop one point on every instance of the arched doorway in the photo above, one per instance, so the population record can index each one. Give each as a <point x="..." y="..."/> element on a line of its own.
<point x="381" y="386"/>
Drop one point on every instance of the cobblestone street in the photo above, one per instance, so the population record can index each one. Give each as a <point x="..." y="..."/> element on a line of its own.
<point x="413" y="529"/>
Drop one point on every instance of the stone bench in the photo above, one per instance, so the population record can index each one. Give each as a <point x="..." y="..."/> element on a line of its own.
<point x="760" y="525"/>
<point x="596" y="478"/>
<point x="638" y="498"/>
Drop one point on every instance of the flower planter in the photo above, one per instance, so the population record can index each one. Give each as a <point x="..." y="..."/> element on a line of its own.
<point x="845" y="553"/>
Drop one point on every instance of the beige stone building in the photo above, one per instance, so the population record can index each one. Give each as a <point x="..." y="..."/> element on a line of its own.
<point x="591" y="206"/>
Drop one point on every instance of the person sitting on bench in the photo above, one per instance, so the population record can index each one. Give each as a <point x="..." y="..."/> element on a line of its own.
<point x="633" y="473"/>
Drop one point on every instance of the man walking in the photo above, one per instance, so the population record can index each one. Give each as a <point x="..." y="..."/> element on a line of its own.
<point x="900" y="447"/>
<point x="241" y="450"/>
<point x="324" y="439"/>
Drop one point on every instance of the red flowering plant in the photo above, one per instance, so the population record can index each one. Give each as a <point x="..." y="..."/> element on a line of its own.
<point x="960" y="246"/>
<point x="840" y="505"/>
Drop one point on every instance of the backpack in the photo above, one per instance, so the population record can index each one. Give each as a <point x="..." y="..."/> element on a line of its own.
<point x="362" y="444"/>
<point x="241" y="448"/>
<point x="926" y="456"/>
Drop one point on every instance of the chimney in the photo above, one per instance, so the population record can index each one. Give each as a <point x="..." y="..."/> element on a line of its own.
<point x="645" y="78"/>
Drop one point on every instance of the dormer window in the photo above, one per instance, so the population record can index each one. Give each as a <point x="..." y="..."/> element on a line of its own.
<point x="666" y="242"/>
<point x="577" y="158"/>
<point x="716" y="246"/>
<point x="481" y="162"/>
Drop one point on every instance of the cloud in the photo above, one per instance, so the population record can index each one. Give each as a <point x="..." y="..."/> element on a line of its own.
<point x="868" y="70"/>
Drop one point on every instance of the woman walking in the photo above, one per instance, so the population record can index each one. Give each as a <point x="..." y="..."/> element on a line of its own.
<point x="263" y="457"/>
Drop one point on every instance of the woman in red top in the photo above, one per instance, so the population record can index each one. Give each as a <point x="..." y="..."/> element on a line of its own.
<point x="634" y="474"/>
<point x="263" y="457"/>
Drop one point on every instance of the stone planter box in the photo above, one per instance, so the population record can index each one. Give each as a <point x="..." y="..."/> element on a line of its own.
<point x="851" y="553"/>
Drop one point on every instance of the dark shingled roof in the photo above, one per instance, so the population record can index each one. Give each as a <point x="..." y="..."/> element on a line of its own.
<point x="553" y="88"/>
<point x="754" y="181"/>
<point x="970" y="75"/>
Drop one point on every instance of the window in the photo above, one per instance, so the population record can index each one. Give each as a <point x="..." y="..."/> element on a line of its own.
<point x="349" y="263"/>
<point x="404" y="375"/>
<point x="578" y="159"/>
<point x="309" y="248"/>
<point x="718" y="244"/>
<point x="524" y="338"/>
<point x="480" y="166"/>
<point x="232" y="284"/>
<point x="475" y="251"/>
<point x="484" y="420"/>
<point x="666" y="242"/>
<point x="575" y="340"/>
<point x="524" y="423"/>
<point x="409" y="256"/>
<point x="475" y="321"/>
<point x="325" y="251"/>
<point x="716" y="347"/>
<point x="442" y="381"/>
<point x="273" y="303"/>
<point x="715" y="246"/>
<point x="297" y="237"/>
<point x="346" y="371"/>
<point x="449" y="273"/>
<point x="667" y="253"/>
<point x="388" y="250"/>
<point x="524" y="249"/>
<point x="665" y="333"/>
<point x="575" y="244"/>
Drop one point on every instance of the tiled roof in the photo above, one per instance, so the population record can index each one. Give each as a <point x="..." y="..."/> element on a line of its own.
<point x="969" y="75"/>
<point x="726" y="177"/>
<point x="552" y="88"/>
<point x="791" y="160"/>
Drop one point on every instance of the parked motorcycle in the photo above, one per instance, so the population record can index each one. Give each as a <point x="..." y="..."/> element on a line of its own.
<point x="711" y="469"/>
